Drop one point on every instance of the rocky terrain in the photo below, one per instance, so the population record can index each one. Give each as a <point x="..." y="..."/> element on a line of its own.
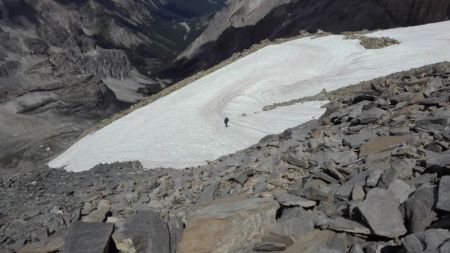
<point x="244" y="23"/>
<point x="371" y="175"/>
<point x="66" y="65"/>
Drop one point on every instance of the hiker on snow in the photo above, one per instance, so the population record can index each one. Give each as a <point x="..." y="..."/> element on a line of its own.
<point x="226" y="120"/>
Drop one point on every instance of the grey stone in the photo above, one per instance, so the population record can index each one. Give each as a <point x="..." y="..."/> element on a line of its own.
<point x="368" y="116"/>
<point x="260" y="187"/>
<point x="357" y="140"/>
<point x="50" y="245"/>
<point x="357" y="248"/>
<point x="143" y="232"/>
<point x="327" y="250"/>
<point x="433" y="85"/>
<point x="400" y="131"/>
<point x="403" y="167"/>
<point x="344" y="225"/>
<point x="381" y="211"/>
<point x="286" y="199"/>
<point x="88" y="238"/>
<point x="424" y="179"/>
<point x="227" y="225"/>
<point x="438" y="161"/>
<point x="175" y="227"/>
<point x="317" y="190"/>
<point x="296" y="221"/>
<point x="99" y="215"/>
<point x="445" y="247"/>
<point x="382" y="143"/>
<point x="208" y="193"/>
<point x="418" y="209"/>
<point x="427" y="241"/>
<point x="311" y="242"/>
<point x="401" y="190"/>
<point x="273" y="242"/>
<point x="294" y="160"/>
<point x="343" y="158"/>
<point x="380" y="161"/>
<point x="242" y="178"/>
<point x="374" y="177"/>
<point x="443" y="202"/>
<point x="358" y="192"/>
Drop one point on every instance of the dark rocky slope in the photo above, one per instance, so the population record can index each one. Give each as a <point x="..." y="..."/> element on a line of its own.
<point x="66" y="65"/>
<point x="244" y="23"/>
<point x="371" y="175"/>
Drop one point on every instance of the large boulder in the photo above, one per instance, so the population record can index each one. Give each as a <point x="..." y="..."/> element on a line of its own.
<point x="418" y="209"/>
<point x="86" y="237"/>
<point x="228" y="225"/>
<point x="296" y="221"/>
<point x="381" y="211"/>
<point x="99" y="215"/>
<point x="444" y="194"/>
<point x="143" y="232"/>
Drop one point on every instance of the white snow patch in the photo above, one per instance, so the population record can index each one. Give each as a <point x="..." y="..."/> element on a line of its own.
<point x="186" y="26"/>
<point x="186" y="127"/>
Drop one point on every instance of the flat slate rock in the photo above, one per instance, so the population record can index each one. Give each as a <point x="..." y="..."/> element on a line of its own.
<point x="381" y="211"/>
<point x="438" y="161"/>
<point x="383" y="143"/>
<point x="228" y="225"/>
<point x="401" y="190"/>
<point x="286" y="199"/>
<point x="444" y="194"/>
<point x="296" y="221"/>
<point x="356" y="140"/>
<point x="273" y="242"/>
<point x="86" y="237"/>
<point x="99" y="215"/>
<point x="344" y="225"/>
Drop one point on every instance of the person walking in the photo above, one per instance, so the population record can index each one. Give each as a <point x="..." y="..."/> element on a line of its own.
<point x="226" y="120"/>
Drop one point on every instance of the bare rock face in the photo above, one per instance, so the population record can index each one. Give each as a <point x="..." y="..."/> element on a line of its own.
<point x="228" y="225"/>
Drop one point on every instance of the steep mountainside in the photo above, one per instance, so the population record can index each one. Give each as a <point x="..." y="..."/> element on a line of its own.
<point x="370" y="175"/>
<point x="65" y="65"/>
<point x="244" y="23"/>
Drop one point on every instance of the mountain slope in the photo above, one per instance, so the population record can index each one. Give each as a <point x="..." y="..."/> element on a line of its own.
<point x="186" y="127"/>
<point x="65" y="65"/>
<point x="244" y="23"/>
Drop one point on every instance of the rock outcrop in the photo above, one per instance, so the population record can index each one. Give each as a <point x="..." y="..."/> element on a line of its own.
<point x="308" y="189"/>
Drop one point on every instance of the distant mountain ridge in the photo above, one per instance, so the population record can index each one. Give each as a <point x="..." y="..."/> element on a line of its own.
<point x="243" y="23"/>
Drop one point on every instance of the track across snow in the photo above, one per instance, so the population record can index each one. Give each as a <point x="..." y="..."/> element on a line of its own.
<point x="186" y="127"/>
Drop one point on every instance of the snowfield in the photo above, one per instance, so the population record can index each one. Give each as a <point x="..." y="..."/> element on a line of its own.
<point x="186" y="127"/>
